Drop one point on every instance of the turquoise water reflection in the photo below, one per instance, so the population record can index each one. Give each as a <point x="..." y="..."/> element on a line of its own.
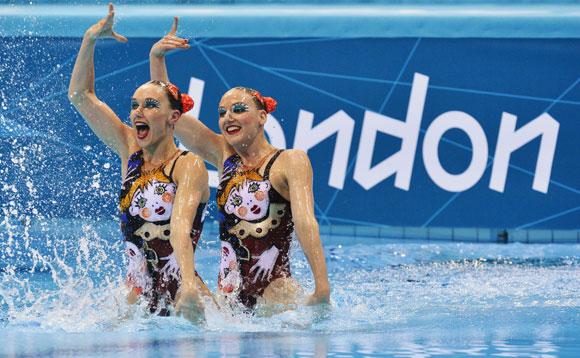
<point x="389" y="298"/>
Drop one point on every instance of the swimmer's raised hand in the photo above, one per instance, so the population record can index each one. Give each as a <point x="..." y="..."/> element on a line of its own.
<point x="169" y="42"/>
<point x="104" y="28"/>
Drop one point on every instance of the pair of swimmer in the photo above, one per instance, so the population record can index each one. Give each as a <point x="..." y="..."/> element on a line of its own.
<point x="264" y="194"/>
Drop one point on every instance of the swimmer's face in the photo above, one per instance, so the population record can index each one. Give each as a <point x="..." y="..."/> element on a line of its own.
<point x="152" y="117"/>
<point x="240" y="120"/>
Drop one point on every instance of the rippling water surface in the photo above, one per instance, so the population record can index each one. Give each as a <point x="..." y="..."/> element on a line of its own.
<point x="389" y="297"/>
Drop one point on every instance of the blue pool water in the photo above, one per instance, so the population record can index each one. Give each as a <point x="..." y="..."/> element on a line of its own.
<point x="389" y="297"/>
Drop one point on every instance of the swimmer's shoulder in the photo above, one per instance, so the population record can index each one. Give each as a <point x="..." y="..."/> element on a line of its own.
<point x="292" y="162"/>
<point x="192" y="158"/>
<point x="188" y="164"/>
<point x="293" y="159"/>
<point x="191" y="168"/>
<point x="292" y="167"/>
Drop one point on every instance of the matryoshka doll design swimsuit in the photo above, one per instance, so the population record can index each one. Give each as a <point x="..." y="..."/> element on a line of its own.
<point x="146" y="204"/>
<point x="255" y="231"/>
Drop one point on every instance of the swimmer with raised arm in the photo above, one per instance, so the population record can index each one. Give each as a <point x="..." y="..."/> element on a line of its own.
<point x="164" y="190"/>
<point x="264" y="195"/>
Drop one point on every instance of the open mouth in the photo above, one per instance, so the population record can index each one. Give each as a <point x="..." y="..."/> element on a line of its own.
<point x="233" y="129"/>
<point x="160" y="210"/>
<point x="142" y="130"/>
<point x="255" y="209"/>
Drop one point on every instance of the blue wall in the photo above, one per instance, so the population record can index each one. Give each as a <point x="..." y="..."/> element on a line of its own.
<point x="52" y="166"/>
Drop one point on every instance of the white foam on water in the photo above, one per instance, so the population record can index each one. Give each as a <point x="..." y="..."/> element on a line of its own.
<point x="78" y="287"/>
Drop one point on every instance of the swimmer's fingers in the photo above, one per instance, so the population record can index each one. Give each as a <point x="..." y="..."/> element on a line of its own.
<point x="172" y="39"/>
<point x="104" y="28"/>
<point x="168" y="43"/>
<point x="175" y="42"/>
<point x="110" y="17"/>
<point x="174" y="26"/>
<point x="107" y="23"/>
<point x="118" y="37"/>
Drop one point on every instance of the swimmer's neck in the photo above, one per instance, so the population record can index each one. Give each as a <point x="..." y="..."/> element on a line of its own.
<point x="253" y="153"/>
<point x="157" y="153"/>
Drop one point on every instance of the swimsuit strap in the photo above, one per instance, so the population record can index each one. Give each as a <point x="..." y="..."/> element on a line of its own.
<point x="266" y="175"/>
<point x="138" y="155"/>
<point x="175" y="161"/>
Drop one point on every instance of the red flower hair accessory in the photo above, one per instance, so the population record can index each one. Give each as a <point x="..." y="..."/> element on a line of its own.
<point x="269" y="103"/>
<point x="186" y="103"/>
<point x="186" y="100"/>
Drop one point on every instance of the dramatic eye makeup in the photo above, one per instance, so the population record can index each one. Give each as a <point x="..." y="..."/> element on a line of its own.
<point x="149" y="103"/>
<point x="152" y="103"/>
<point x="239" y="107"/>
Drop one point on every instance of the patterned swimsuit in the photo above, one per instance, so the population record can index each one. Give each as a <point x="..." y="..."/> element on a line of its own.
<point x="255" y="231"/>
<point x="146" y="204"/>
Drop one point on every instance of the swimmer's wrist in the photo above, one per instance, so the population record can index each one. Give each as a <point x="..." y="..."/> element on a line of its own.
<point x="157" y="54"/>
<point x="322" y="291"/>
<point x="320" y="296"/>
<point x="90" y="37"/>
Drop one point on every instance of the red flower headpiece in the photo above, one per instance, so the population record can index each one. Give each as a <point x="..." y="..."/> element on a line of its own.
<point x="186" y="103"/>
<point x="269" y="103"/>
<point x="186" y="100"/>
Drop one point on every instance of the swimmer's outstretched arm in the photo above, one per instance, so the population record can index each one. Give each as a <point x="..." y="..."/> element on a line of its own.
<point x="191" y="178"/>
<point x="168" y="43"/>
<point x="99" y="116"/>
<point x="298" y="172"/>
<point x="191" y="132"/>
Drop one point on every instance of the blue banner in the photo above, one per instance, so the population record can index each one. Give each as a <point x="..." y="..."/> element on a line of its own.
<point x="415" y="132"/>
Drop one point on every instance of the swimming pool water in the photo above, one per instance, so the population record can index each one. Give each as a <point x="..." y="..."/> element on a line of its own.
<point x="388" y="298"/>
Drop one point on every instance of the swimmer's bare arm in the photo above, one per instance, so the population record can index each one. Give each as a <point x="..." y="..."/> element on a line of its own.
<point x="99" y="116"/>
<point x="191" y="178"/>
<point x="168" y="43"/>
<point x="191" y="132"/>
<point x="298" y="173"/>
